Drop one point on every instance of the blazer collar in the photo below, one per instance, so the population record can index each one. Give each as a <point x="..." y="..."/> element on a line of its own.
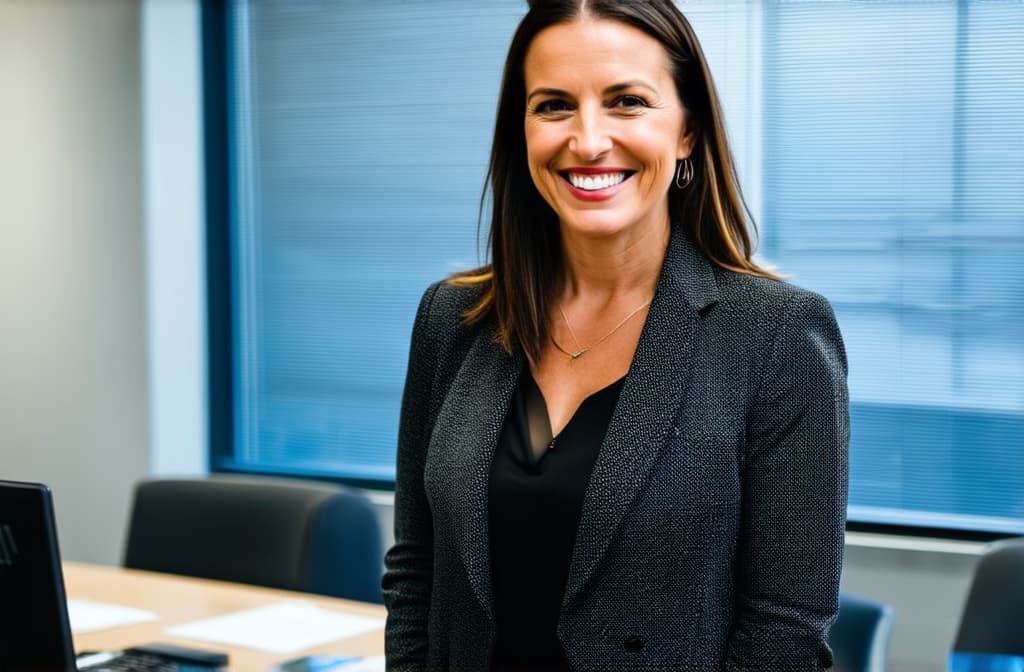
<point x="686" y="275"/>
<point x="650" y="401"/>
<point x="473" y="415"/>
<point x="651" y="395"/>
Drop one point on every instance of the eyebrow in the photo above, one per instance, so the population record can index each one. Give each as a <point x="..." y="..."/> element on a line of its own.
<point x="614" y="88"/>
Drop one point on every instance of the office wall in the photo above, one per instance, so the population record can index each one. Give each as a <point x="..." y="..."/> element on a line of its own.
<point x="926" y="587"/>
<point x="73" y="387"/>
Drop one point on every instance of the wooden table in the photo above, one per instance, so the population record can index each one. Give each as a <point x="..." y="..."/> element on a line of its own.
<point x="178" y="599"/>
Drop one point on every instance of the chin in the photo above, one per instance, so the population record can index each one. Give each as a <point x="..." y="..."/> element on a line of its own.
<point x="594" y="227"/>
<point x="601" y="223"/>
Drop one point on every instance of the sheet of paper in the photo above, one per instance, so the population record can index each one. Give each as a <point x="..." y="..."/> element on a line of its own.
<point x="89" y="616"/>
<point x="285" y="627"/>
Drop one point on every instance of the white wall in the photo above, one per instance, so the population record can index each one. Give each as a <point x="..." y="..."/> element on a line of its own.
<point x="73" y="385"/>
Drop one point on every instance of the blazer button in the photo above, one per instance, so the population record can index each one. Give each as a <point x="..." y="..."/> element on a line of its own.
<point x="633" y="644"/>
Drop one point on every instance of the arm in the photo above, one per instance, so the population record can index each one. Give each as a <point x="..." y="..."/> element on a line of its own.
<point x="409" y="563"/>
<point x="794" y="498"/>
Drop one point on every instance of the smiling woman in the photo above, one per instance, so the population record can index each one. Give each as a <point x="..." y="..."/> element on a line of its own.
<point x="604" y="129"/>
<point x="623" y="444"/>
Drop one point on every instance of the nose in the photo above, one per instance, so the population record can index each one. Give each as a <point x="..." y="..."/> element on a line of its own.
<point x="590" y="139"/>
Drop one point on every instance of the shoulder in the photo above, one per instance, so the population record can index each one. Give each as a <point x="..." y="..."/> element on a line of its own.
<point x="440" y="325"/>
<point x="443" y="307"/>
<point x="777" y="320"/>
<point x="741" y="314"/>
<point x="767" y="297"/>
<point x="690" y="277"/>
<point x="448" y="302"/>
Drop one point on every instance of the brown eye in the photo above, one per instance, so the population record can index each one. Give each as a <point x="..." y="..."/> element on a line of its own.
<point x="554" y="106"/>
<point x="630" y="102"/>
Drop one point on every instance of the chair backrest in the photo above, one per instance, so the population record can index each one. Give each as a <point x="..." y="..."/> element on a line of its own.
<point x="992" y="620"/>
<point x="860" y="636"/>
<point x="297" y="535"/>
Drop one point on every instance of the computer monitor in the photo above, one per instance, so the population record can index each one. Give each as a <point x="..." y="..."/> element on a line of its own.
<point x="35" y="633"/>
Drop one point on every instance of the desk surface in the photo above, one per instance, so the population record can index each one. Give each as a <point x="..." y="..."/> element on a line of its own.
<point x="180" y="599"/>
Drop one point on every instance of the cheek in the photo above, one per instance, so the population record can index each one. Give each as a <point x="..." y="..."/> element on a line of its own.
<point x="660" y="168"/>
<point x="659" y="147"/>
<point x="540" y="147"/>
<point x="541" y="150"/>
<point x="541" y="182"/>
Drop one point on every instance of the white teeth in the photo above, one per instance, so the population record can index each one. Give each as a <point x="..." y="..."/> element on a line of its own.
<point x="596" y="182"/>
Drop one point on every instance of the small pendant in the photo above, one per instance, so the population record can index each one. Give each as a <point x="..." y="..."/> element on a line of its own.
<point x="577" y="355"/>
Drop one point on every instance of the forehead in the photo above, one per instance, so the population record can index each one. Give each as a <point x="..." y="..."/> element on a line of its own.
<point x="594" y="49"/>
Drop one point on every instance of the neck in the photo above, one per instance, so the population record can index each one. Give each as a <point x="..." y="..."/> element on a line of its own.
<point x="605" y="268"/>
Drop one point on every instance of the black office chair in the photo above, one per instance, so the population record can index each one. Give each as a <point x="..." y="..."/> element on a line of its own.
<point x="860" y="636"/>
<point x="993" y="617"/>
<point x="296" y="535"/>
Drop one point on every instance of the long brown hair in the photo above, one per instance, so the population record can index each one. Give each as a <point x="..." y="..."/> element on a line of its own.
<point x="526" y="266"/>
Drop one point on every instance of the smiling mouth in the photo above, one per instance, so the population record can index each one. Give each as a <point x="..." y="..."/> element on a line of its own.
<point x="595" y="182"/>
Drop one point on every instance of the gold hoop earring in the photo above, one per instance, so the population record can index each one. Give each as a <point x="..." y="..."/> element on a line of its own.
<point x="684" y="173"/>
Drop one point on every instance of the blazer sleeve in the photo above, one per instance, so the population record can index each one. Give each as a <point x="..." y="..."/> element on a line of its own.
<point x="409" y="563"/>
<point x="794" y="482"/>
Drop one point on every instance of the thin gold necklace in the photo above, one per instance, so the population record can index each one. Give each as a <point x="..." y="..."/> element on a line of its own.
<point x="581" y="350"/>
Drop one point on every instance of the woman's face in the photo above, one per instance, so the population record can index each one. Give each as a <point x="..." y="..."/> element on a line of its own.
<point x="604" y="127"/>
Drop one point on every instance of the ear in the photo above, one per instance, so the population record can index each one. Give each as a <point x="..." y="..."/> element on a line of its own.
<point x="686" y="142"/>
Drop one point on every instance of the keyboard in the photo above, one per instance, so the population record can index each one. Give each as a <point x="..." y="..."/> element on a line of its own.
<point x="153" y="658"/>
<point x="137" y="662"/>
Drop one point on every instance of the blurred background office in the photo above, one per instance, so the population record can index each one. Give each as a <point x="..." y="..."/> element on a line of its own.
<point x="209" y="260"/>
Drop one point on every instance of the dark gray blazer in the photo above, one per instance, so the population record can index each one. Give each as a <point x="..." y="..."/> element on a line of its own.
<point x="711" y="536"/>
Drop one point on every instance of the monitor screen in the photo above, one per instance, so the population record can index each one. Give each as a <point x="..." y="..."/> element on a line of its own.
<point x="35" y="635"/>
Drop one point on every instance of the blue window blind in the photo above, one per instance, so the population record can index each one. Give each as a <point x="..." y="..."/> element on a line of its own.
<point x="361" y="137"/>
<point x="894" y="184"/>
<point x="881" y="141"/>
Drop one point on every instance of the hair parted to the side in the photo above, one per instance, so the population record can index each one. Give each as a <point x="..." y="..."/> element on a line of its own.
<point x="526" y="269"/>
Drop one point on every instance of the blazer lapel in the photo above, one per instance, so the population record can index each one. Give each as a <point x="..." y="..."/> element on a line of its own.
<point x="474" y="413"/>
<point x="650" y="399"/>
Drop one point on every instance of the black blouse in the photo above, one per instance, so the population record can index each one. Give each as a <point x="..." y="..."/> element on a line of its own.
<point x="536" y="495"/>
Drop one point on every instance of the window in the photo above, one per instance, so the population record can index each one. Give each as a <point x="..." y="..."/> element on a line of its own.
<point x="357" y="164"/>
<point x="881" y="145"/>
<point x="894" y="185"/>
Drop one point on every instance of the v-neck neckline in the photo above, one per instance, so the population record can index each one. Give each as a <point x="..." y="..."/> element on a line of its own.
<point x="535" y="403"/>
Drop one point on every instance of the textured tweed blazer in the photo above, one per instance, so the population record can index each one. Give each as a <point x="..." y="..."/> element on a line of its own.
<point x="711" y="535"/>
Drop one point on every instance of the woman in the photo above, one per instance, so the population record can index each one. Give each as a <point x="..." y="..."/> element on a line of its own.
<point x="623" y="443"/>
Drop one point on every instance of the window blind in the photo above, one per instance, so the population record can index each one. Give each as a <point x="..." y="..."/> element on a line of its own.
<point x="361" y="140"/>
<point x="894" y="182"/>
